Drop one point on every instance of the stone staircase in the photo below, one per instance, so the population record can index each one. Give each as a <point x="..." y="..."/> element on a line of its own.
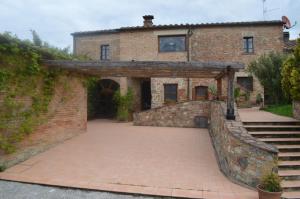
<point x="286" y="137"/>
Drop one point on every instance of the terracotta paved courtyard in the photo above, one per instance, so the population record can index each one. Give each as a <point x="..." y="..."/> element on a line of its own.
<point x="120" y="157"/>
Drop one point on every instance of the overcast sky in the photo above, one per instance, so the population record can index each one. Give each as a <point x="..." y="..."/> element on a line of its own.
<point x="54" y="20"/>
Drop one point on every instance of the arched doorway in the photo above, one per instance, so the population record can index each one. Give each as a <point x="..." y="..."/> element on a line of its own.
<point x="102" y="99"/>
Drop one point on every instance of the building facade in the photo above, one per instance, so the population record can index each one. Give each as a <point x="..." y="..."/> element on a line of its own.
<point x="225" y="42"/>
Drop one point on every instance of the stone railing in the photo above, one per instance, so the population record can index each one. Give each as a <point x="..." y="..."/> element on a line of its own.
<point x="241" y="157"/>
<point x="178" y="115"/>
<point x="296" y="109"/>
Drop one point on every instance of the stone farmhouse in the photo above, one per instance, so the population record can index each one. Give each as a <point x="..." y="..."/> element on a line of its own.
<point x="224" y="42"/>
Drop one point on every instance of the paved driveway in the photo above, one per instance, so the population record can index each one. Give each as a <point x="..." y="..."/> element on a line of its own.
<point x="255" y="115"/>
<point x="120" y="157"/>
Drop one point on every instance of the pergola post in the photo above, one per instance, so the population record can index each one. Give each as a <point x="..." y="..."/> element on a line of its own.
<point x="219" y="88"/>
<point x="230" y="94"/>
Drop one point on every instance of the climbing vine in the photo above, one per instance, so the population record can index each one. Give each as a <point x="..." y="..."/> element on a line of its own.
<point x="26" y="88"/>
<point x="124" y="104"/>
<point x="291" y="74"/>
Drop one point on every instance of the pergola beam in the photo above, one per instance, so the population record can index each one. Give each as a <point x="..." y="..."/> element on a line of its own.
<point x="146" y="68"/>
<point x="217" y="70"/>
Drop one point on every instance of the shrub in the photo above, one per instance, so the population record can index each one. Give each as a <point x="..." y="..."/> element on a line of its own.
<point x="271" y="182"/>
<point x="237" y="93"/>
<point x="2" y="168"/>
<point x="259" y="98"/>
<point x="213" y="90"/>
<point x="124" y="104"/>
<point x="267" y="69"/>
<point x="291" y="74"/>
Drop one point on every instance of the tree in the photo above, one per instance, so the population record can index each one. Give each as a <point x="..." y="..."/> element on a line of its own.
<point x="37" y="41"/>
<point x="267" y="68"/>
<point x="291" y="74"/>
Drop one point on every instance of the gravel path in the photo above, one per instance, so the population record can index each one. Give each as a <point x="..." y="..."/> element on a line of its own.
<point x="15" y="190"/>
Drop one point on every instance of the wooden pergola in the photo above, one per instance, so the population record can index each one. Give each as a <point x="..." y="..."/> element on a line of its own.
<point x="143" y="69"/>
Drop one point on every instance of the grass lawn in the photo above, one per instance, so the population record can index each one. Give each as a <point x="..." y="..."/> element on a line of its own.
<point x="284" y="110"/>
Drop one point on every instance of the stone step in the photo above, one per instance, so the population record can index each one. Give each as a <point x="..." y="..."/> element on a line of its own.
<point x="289" y="163"/>
<point x="279" y="123"/>
<point x="291" y="195"/>
<point x="288" y="147"/>
<point x="289" y="156"/>
<point x="287" y="173"/>
<point x="272" y="128"/>
<point x="291" y="141"/>
<point x="290" y="184"/>
<point x="274" y="134"/>
<point x="284" y="146"/>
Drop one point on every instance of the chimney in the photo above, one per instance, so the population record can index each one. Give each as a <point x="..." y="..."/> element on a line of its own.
<point x="286" y="36"/>
<point x="148" y="20"/>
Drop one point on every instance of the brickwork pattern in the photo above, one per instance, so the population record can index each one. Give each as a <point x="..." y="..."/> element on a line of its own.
<point x="157" y="90"/>
<point x="90" y="46"/>
<point x="67" y="117"/>
<point x="207" y="44"/>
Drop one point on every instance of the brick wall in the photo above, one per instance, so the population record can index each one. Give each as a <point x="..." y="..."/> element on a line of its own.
<point x="157" y="90"/>
<point x="67" y="117"/>
<point x="90" y="46"/>
<point x="219" y="43"/>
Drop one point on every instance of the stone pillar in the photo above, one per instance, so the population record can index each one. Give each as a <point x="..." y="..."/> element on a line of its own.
<point x="123" y="85"/>
<point x="230" y="94"/>
<point x="219" y="88"/>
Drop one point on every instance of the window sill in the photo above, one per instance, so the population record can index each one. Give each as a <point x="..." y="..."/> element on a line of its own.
<point x="248" y="53"/>
<point x="172" y="52"/>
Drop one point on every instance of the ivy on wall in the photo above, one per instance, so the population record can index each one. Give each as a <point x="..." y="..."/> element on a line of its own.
<point x="26" y="88"/>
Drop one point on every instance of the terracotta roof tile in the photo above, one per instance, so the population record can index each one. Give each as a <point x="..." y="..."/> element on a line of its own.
<point x="177" y="26"/>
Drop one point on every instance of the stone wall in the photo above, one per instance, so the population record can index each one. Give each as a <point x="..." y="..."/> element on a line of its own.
<point x="157" y="90"/>
<point x="177" y="115"/>
<point x="90" y="45"/>
<point x="66" y="117"/>
<point x="214" y="43"/>
<point x="241" y="157"/>
<point x="296" y="109"/>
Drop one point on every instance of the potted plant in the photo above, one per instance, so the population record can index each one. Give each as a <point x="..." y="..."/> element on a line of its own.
<point x="237" y="94"/>
<point x="212" y="92"/>
<point x="270" y="186"/>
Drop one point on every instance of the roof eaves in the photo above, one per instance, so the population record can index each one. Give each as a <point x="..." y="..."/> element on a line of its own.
<point x="173" y="26"/>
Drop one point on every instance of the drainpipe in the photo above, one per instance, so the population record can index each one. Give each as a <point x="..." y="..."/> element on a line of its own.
<point x="189" y="34"/>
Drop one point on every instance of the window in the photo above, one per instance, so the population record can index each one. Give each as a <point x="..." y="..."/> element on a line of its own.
<point x="245" y="83"/>
<point x="170" y="91"/>
<point x="104" y="52"/>
<point x="248" y="44"/>
<point x="172" y="43"/>
<point x="201" y="92"/>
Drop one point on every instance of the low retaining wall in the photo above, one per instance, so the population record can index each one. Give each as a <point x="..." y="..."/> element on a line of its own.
<point x="177" y="115"/>
<point x="241" y="157"/>
<point x="296" y="109"/>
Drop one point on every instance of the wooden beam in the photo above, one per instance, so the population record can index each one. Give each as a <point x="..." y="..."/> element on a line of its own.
<point x="145" y="68"/>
